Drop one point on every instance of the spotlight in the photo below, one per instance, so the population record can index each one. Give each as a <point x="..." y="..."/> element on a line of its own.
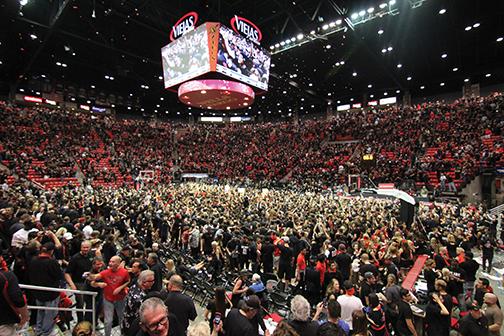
<point x="409" y="78"/>
<point x="466" y="80"/>
<point x="390" y="48"/>
<point x="444" y="55"/>
<point x="362" y="13"/>
<point x="370" y="86"/>
<point x="392" y="2"/>
<point x="499" y="39"/>
<point x="272" y="47"/>
<point x="325" y="27"/>
<point x="442" y="11"/>
<point x="354" y="16"/>
<point x="455" y="69"/>
<point x="23" y="2"/>
<point x="468" y="28"/>
<point x="33" y="36"/>
<point x="293" y="39"/>
<point x="476" y="25"/>
<point x="338" y="22"/>
<point x="441" y="84"/>
<point x="277" y="45"/>
<point x="300" y="36"/>
<point x="384" y="50"/>
<point x="370" y="10"/>
<point x="383" y="5"/>
<point x="332" y="24"/>
<point x="380" y="31"/>
<point x="354" y="74"/>
<point x="399" y="65"/>
<point x="422" y="87"/>
<point x="488" y="75"/>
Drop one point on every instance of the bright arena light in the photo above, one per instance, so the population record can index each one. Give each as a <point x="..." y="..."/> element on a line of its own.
<point x="362" y="13"/>
<point x="338" y="22"/>
<point x="442" y="11"/>
<point x="325" y="27"/>
<point x="370" y="10"/>
<point x="383" y="5"/>
<point x="499" y="39"/>
<point x="354" y="16"/>
<point x="380" y="31"/>
<point x="300" y="36"/>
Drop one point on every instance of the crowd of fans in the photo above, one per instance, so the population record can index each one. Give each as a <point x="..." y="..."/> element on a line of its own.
<point x="343" y="258"/>
<point x="408" y="144"/>
<point x="338" y="262"/>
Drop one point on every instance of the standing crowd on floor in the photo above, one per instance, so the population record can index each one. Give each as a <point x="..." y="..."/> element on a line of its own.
<point x="340" y="261"/>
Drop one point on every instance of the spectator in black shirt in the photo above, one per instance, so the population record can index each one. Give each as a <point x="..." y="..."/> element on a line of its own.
<point x="12" y="304"/>
<point x="179" y="304"/>
<point x="456" y="284"/>
<point x="470" y="266"/>
<point x="79" y="264"/>
<point x="267" y="249"/>
<point x="285" y="263"/>
<point x="475" y="323"/>
<point x="405" y="325"/>
<point x="238" y="320"/>
<point x="157" y="268"/>
<point x="45" y="271"/>
<point x="436" y="323"/>
<point x="430" y="274"/>
<point x="344" y="262"/>
<point x="368" y="286"/>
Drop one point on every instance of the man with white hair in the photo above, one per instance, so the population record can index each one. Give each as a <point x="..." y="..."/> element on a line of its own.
<point x="300" y="309"/>
<point x="135" y="296"/>
<point x="257" y="285"/>
<point x="155" y="319"/>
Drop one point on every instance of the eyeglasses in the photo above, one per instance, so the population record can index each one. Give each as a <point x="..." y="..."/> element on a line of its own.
<point x="161" y="323"/>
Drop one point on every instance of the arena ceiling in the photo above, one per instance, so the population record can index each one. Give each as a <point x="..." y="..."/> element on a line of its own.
<point x="424" y="47"/>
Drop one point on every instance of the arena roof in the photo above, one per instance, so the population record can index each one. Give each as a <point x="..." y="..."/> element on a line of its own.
<point x="113" y="47"/>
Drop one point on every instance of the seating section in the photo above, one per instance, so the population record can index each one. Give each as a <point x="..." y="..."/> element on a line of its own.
<point x="415" y="145"/>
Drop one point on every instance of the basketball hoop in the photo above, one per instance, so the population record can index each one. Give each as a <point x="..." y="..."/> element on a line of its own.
<point x="146" y="175"/>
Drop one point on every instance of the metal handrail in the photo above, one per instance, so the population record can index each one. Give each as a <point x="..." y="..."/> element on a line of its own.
<point x="59" y="290"/>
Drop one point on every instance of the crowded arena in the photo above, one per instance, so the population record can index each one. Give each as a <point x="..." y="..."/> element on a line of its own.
<point x="293" y="168"/>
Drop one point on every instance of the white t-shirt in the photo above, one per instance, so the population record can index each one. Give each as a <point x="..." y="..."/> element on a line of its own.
<point x="348" y="305"/>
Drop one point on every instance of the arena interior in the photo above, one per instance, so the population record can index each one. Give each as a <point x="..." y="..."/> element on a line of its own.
<point x="245" y="168"/>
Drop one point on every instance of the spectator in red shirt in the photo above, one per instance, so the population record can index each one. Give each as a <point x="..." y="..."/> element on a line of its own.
<point x="321" y="268"/>
<point x="115" y="279"/>
<point x="301" y="269"/>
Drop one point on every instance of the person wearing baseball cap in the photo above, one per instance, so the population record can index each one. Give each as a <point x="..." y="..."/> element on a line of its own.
<point x="475" y="323"/>
<point x="238" y="321"/>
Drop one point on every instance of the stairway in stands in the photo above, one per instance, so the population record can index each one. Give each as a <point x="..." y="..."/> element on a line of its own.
<point x="109" y="175"/>
<point x="433" y="178"/>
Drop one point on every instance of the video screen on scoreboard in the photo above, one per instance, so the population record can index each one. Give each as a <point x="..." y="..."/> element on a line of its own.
<point x="242" y="59"/>
<point x="186" y="57"/>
